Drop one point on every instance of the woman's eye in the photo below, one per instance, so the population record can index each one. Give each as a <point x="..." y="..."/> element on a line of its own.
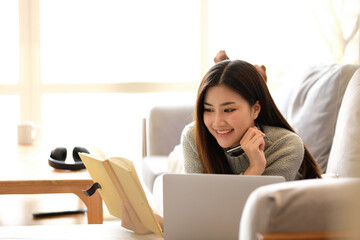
<point x="208" y="110"/>
<point x="229" y="110"/>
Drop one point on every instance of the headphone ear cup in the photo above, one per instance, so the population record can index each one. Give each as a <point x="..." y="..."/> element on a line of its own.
<point x="76" y="152"/>
<point x="59" y="154"/>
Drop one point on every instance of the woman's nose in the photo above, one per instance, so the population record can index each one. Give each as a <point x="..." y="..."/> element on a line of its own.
<point x="219" y="120"/>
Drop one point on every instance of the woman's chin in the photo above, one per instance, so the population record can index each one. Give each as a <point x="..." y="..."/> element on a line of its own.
<point x="228" y="145"/>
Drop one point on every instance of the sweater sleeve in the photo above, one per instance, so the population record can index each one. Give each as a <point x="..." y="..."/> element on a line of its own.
<point x="284" y="157"/>
<point x="190" y="156"/>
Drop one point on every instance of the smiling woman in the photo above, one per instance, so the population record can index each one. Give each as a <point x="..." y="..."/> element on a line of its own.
<point x="234" y="107"/>
<point x="228" y="116"/>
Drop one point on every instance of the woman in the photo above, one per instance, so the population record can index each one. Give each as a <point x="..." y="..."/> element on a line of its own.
<point x="234" y="107"/>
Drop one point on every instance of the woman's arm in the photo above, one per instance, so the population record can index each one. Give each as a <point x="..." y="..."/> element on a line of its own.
<point x="284" y="157"/>
<point x="190" y="157"/>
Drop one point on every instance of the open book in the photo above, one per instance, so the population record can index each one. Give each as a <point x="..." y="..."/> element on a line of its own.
<point x="120" y="183"/>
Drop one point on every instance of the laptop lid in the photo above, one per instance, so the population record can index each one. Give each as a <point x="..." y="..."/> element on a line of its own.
<point x="207" y="206"/>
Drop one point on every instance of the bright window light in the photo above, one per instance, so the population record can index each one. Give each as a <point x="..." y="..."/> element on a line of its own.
<point x="280" y="34"/>
<point x="109" y="121"/>
<point x="9" y="42"/>
<point x="90" y="41"/>
<point x="10" y="109"/>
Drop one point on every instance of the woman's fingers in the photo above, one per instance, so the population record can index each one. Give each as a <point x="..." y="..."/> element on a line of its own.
<point x="258" y="140"/>
<point x="251" y="135"/>
<point x="253" y="144"/>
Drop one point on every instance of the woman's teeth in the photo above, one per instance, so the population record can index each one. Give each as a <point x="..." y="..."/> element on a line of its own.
<point x="223" y="131"/>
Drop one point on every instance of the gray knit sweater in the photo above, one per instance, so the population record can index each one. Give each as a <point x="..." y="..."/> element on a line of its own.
<point x="284" y="153"/>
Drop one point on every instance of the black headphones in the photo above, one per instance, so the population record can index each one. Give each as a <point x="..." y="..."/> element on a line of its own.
<point x="58" y="156"/>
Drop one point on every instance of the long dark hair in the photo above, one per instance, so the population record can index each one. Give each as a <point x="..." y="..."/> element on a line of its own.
<point x="244" y="79"/>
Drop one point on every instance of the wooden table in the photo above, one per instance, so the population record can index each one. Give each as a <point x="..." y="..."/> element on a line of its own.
<point x="25" y="171"/>
<point x="82" y="231"/>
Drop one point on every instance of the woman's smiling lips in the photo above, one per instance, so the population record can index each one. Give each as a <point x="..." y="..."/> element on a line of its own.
<point x="224" y="132"/>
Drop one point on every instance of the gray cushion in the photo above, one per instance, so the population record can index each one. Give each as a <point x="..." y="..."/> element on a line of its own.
<point x="164" y="127"/>
<point x="312" y="106"/>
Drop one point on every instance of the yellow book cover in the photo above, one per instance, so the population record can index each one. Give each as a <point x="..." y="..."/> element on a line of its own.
<point x="119" y="183"/>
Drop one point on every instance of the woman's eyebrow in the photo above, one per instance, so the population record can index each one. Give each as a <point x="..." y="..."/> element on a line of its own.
<point x="223" y="104"/>
<point x="227" y="103"/>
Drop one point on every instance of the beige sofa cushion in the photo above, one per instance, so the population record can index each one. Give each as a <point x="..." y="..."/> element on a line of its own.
<point x="312" y="106"/>
<point x="344" y="158"/>
<point x="165" y="124"/>
<point x="316" y="205"/>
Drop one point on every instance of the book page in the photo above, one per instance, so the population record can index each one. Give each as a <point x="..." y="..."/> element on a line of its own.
<point x="129" y="180"/>
<point x="108" y="191"/>
<point x="97" y="153"/>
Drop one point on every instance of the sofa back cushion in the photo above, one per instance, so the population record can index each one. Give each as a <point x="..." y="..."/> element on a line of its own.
<point x="164" y="127"/>
<point x="312" y="106"/>
<point x="344" y="158"/>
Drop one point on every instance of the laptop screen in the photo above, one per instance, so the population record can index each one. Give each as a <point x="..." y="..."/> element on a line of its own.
<point x="207" y="206"/>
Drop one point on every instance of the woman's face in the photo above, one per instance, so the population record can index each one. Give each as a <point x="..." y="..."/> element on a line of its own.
<point x="227" y="115"/>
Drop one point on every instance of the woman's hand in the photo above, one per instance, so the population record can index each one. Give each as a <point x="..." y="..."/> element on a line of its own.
<point x="253" y="144"/>
<point x="131" y="221"/>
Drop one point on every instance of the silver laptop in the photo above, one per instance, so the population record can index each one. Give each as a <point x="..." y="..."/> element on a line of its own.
<point x="207" y="206"/>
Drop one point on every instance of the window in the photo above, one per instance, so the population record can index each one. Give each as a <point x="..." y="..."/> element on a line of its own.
<point x="89" y="70"/>
<point x="9" y="42"/>
<point x="284" y="35"/>
<point x="95" y="62"/>
<point x="109" y="121"/>
<point x="9" y="74"/>
<point x="119" y="41"/>
<point x="10" y="115"/>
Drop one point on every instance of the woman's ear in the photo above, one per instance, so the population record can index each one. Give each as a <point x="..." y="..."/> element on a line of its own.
<point x="256" y="108"/>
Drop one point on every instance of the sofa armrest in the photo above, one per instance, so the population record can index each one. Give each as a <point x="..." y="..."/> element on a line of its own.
<point x="309" y="236"/>
<point x="316" y="205"/>
<point x="152" y="167"/>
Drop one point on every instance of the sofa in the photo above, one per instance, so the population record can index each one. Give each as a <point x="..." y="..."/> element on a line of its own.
<point x="162" y="129"/>
<point x="323" y="106"/>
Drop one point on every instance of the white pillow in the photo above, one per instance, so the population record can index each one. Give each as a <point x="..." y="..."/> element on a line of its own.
<point x="175" y="164"/>
<point x="344" y="158"/>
